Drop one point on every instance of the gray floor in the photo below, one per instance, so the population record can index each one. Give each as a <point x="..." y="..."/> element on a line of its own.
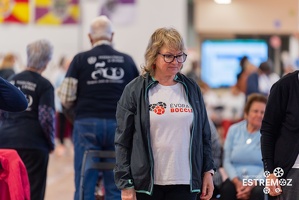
<point x="60" y="181"/>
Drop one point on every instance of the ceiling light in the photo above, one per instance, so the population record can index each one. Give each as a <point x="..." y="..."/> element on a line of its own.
<point x="223" y="1"/>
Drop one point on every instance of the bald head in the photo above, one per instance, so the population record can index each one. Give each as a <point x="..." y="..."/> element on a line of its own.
<point x="101" y="29"/>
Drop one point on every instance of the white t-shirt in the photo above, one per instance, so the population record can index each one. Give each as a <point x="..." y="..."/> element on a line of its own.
<point x="171" y="118"/>
<point x="266" y="82"/>
<point x="233" y="105"/>
<point x="296" y="164"/>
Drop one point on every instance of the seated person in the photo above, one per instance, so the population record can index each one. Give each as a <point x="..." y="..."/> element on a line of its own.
<point x="217" y="157"/>
<point x="242" y="153"/>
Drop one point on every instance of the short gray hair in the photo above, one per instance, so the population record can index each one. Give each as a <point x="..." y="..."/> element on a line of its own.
<point x="39" y="53"/>
<point x="101" y="27"/>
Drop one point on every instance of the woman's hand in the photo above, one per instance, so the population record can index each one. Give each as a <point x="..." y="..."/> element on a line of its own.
<point x="207" y="186"/>
<point x="128" y="194"/>
<point x="242" y="191"/>
<point x="274" y="186"/>
<point x="245" y="193"/>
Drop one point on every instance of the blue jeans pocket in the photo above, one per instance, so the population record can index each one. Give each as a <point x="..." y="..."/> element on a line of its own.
<point x="87" y="134"/>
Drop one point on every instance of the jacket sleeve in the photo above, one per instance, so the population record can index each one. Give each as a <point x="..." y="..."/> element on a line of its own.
<point x="11" y="98"/>
<point x="123" y="140"/>
<point x="275" y="110"/>
<point x="46" y="115"/>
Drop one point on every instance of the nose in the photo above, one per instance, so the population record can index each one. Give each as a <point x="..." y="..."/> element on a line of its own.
<point x="261" y="114"/>
<point x="175" y="61"/>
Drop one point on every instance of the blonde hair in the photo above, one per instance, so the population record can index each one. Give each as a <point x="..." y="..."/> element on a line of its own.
<point x="169" y="37"/>
<point x="8" y="61"/>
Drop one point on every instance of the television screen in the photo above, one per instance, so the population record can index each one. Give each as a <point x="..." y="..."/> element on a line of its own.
<point x="220" y="59"/>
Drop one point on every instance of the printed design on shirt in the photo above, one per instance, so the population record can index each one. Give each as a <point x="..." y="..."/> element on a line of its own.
<point x="26" y="85"/>
<point x="104" y="72"/>
<point x="180" y="108"/>
<point x="30" y="102"/>
<point x="158" y="108"/>
<point x="92" y="60"/>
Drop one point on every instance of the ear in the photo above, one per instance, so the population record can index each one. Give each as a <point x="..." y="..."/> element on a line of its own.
<point x="112" y="34"/>
<point x="90" y="39"/>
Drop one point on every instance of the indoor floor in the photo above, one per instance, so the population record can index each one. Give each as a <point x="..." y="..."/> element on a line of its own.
<point x="60" y="181"/>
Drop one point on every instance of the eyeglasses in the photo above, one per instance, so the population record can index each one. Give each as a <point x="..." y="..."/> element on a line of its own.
<point x="169" y="58"/>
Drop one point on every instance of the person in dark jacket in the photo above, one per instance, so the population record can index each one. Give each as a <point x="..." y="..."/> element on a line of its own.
<point x="93" y="84"/>
<point x="163" y="137"/>
<point x="280" y="139"/>
<point x="31" y="133"/>
<point x="261" y="80"/>
<point x="11" y="98"/>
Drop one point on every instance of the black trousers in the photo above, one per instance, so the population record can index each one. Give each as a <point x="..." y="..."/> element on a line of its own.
<point x="228" y="192"/>
<point x="168" y="192"/>
<point x="36" y="162"/>
<point x="62" y="126"/>
<point x="290" y="191"/>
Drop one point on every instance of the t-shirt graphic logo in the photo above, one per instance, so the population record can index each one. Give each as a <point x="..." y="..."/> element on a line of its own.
<point x="92" y="60"/>
<point x="158" y="108"/>
<point x="112" y="73"/>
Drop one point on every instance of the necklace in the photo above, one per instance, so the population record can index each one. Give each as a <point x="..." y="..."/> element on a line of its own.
<point x="248" y="141"/>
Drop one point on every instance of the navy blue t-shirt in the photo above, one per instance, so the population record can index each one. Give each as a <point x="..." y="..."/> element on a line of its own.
<point x="33" y="128"/>
<point x="102" y="74"/>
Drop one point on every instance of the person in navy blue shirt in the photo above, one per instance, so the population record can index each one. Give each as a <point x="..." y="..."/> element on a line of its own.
<point x="31" y="133"/>
<point x="93" y="84"/>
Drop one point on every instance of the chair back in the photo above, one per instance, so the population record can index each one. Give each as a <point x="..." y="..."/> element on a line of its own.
<point x="93" y="159"/>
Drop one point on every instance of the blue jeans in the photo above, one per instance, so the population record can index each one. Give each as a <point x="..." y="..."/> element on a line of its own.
<point x="97" y="134"/>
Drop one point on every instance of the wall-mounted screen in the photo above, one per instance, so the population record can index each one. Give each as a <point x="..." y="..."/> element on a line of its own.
<point x="220" y="59"/>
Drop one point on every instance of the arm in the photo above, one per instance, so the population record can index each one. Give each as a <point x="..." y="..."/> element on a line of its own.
<point x="11" y="98"/>
<point x="275" y="111"/>
<point x="67" y="91"/>
<point x="216" y="146"/>
<point x="227" y="162"/>
<point x="216" y="153"/>
<point x="208" y="163"/>
<point x="123" y="141"/>
<point x="228" y="148"/>
<point x="46" y="115"/>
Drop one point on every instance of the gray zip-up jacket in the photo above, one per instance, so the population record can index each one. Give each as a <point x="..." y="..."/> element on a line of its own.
<point x="134" y="156"/>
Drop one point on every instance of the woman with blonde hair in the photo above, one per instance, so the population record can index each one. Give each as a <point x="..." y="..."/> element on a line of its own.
<point x="163" y="137"/>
